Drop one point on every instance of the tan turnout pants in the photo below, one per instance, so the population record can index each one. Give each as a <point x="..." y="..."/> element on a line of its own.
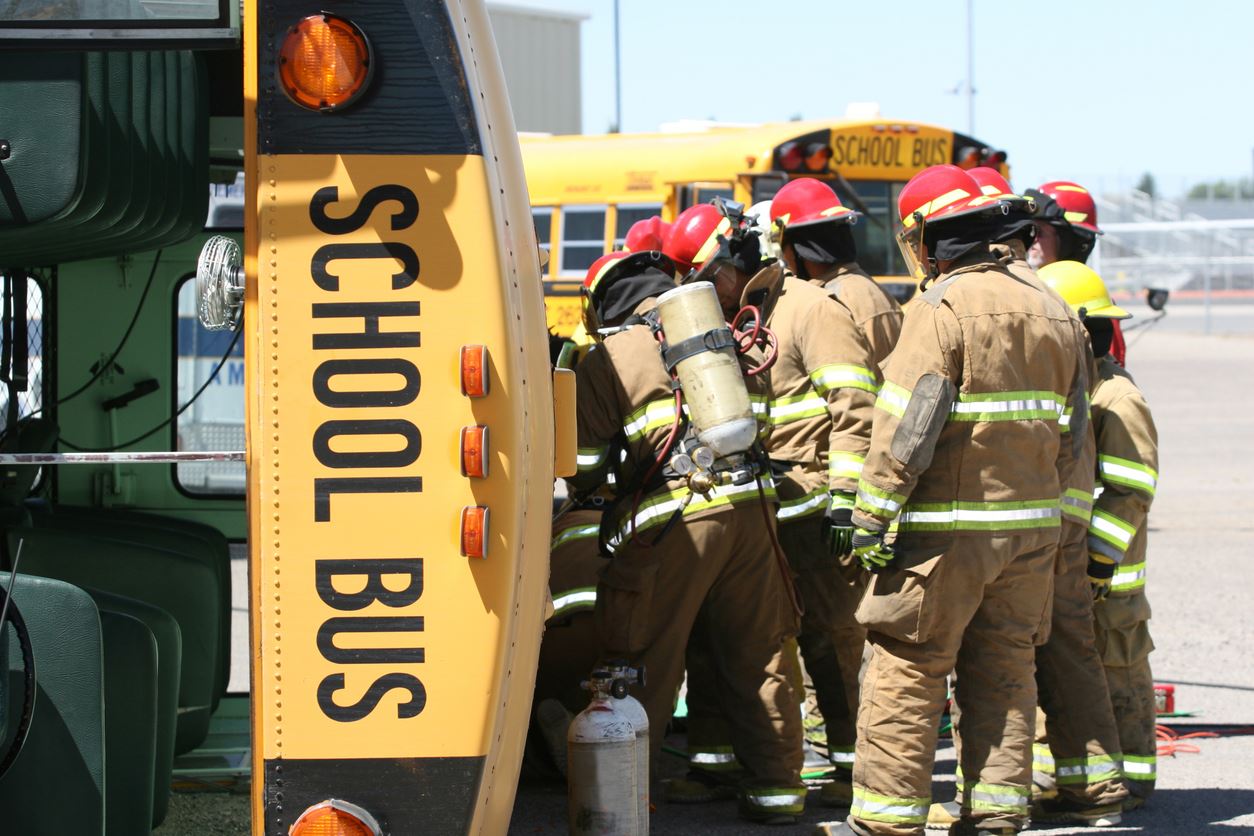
<point x="975" y="603"/>
<point x="1123" y="640"/>
<point x="721" y="565"/>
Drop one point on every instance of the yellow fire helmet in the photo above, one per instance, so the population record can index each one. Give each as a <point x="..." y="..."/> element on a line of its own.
<point x="1082" y="289"/>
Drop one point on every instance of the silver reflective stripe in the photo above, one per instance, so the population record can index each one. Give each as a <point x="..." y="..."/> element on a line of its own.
<point x="712" y="757"/>
<point x="889" y="505"/>
<point x="574" y="599"/>
<point x="1000" y="796"/>
<point x="1025" y="405"/>
<point x="1127" y="473"/>
<point x="590" y="458"/>
<point x="841" y="758"/>
<point x="774" y="800"/>
<point x="579" y="532"/>
<point x="872" y="807"/>
<point x="656" y="412"/>
<point x="783" y="412"/>
<point x="720" y="496"/>
<point x="1141" y="767"/>
<point x="792" y="508"/>
<point x="1104" y="525"/>
<point x="982" y="515"/>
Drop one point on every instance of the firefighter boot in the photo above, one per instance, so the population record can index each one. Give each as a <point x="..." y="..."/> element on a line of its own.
<point x="1065" y="810"/>
<point x="554" y="722"/>
<point x="943" y="814"/>
<point x="698" y="787"/>
<point x="967" y="827"/>
<point x="837" y="792"/>
<point x="839" y="828"/>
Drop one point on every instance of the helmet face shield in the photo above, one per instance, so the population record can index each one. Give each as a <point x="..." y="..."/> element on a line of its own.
<point x="910" y="243"/>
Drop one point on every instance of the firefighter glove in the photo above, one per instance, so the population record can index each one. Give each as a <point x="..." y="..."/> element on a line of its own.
<point x="838" y="525"/>
<point x="869" y="549"/>
<point x="1101" y="570"/>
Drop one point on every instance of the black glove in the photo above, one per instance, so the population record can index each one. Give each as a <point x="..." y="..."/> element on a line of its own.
<point x="838" y="525"/>
<point x="1101" y="571"/>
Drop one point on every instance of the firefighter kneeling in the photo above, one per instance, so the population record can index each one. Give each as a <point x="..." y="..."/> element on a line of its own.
<point x="688" y="530"/>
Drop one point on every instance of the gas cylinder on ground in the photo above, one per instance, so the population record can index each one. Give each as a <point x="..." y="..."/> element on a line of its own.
<point x="623" y="676"/>
<point x="602" y="798"/>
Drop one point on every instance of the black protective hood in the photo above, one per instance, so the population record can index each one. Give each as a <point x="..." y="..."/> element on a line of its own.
<point x="951" y="240"/>
<point x="627" y="292"/>
<point x="825" y="243"/>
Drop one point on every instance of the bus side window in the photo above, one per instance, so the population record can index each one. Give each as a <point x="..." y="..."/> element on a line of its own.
<point x="583" y="238"/>
<point x="629" y="214"/>
<point x="32" y="399"/>
<point x="694" y="193"/>
<point x="542" y="217"/>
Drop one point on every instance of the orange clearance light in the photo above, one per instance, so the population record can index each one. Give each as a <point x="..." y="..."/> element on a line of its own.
<point x="475" y="371"/>
<point x="475" y="452"/>
<point x="817" y="155"/>
<point x="335" y="818"/>
<point x="324" y="62"/>
<point x="475" y="531"/>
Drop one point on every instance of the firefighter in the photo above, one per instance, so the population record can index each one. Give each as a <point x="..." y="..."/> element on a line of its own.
<point x="1067" y="230"/>
<point x="1127" y="469"/>
<point x="968" y="459"/>
<point x="816" y="243"/>
<point x="822" y="395"/>
<point x="1071" y="682"/>
<point x="677" y="552"/>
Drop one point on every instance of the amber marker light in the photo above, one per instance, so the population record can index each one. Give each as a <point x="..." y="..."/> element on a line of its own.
<point x="475" y="452"/>
<point x="475" y="531"/>
<point x="474" y="371"/>
<point x="335" y="818"/>
<point x="325" y="62"/>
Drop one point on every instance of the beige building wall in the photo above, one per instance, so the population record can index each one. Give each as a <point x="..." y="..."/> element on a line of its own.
<point x="540" y="55"/>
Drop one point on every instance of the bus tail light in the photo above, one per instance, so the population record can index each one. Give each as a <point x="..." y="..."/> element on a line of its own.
<point x="791" y="156"/>
<point x="474" y="371"/>
<point x="475" y="451"/>
<point x="335" y="818"/>
<point x="817" y="155"/>
<point x="324" y="62"/>
<point x="969" y="157"/>
<point x="995" y="159"/>
<point x="474" y="534"/>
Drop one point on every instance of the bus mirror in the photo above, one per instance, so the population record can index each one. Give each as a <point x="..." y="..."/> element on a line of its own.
<point x="220" y="284"/>
<point x="1156" y="298"/>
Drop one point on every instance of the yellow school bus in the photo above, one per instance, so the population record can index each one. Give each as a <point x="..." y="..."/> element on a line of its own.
<point x="393" y="497"/>
<point x="587" y="191"/>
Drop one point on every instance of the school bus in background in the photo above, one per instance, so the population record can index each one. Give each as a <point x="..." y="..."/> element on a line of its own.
<point x="587" y="191"/>
<point x="393" y="491"/>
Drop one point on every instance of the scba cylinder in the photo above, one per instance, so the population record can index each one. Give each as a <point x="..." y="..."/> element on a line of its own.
<point x="700" y="348"/>
<point x="602" y="792"/>
<point x="622" y="675"/>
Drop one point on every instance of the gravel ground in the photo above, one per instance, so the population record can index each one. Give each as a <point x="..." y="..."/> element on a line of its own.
<point x="1201" y="586"/>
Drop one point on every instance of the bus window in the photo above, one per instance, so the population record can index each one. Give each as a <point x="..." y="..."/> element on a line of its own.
<point x="695" y="193"/>
<point x="542" y="217"/>
<point x="766" y="185"/>
<point x="215" y="420"/>
<point x="32" y="399"/>
<point x="583" y="238"/>
<point x="875" y="232"/>
<point x="629" y="214"/>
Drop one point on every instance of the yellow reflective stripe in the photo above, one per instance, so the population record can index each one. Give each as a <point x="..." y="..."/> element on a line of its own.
<point x="651" y="416"/>
<point x="980" y="516"/>
<point x="935" y="205"/>
<point x="591" y="458"/>
<point x="575" y="600"/>
<point x="1128" y="577"/>
<point x="1108" y="527"/>
<point x="1076" y="217"/>
<point x="711" y="243"/>
<point x="803" y="506"/>
<point x="893" y="399"/>
<point x="887" y="808"/>
<point x="577" y="532"/>
<point x="659" y="508"/>
<point x="1000" y="798"/>
<point x="843" y="375"/>
<point x="879" y="503"/>
<point x="1128" y="473"/>
<point x="1078" y="505"/>
<point x="841" y="465"/>
<point x="796" y="408"/>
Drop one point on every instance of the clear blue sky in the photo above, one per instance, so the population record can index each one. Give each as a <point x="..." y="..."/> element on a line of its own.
<point x="1098" y="91"/>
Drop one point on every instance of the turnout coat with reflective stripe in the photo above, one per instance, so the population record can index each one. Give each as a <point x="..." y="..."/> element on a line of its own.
<point x="877" y="315"/>
<point x="1127" y="471"/>
<point x="1077" y="496"/>
<point x="968" y="425"/>
<point x="625" y="401"/>
<point x="821" y="391"/>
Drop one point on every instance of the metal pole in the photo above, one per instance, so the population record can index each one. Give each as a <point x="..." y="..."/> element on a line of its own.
<point x="1210" y="252"/>
<point x="618" y="77"/>
<point x="970" y="67"/>
<point x="153" y="457"/>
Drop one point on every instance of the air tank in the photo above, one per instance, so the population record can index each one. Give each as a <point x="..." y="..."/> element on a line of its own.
<point x="709" y="372"/>
<point x="602" y="797"/>
<point x="622" y="676"/>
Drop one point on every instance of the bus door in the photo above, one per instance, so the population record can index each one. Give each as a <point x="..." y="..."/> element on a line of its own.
<point x="400" y="417"/>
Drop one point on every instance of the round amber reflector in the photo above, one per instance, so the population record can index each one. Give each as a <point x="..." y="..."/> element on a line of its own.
<point x="324" y="62"/>
<point x="335" y="818"/>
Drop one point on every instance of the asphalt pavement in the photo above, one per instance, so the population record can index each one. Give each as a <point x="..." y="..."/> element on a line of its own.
<point x="1201" y="586"/>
